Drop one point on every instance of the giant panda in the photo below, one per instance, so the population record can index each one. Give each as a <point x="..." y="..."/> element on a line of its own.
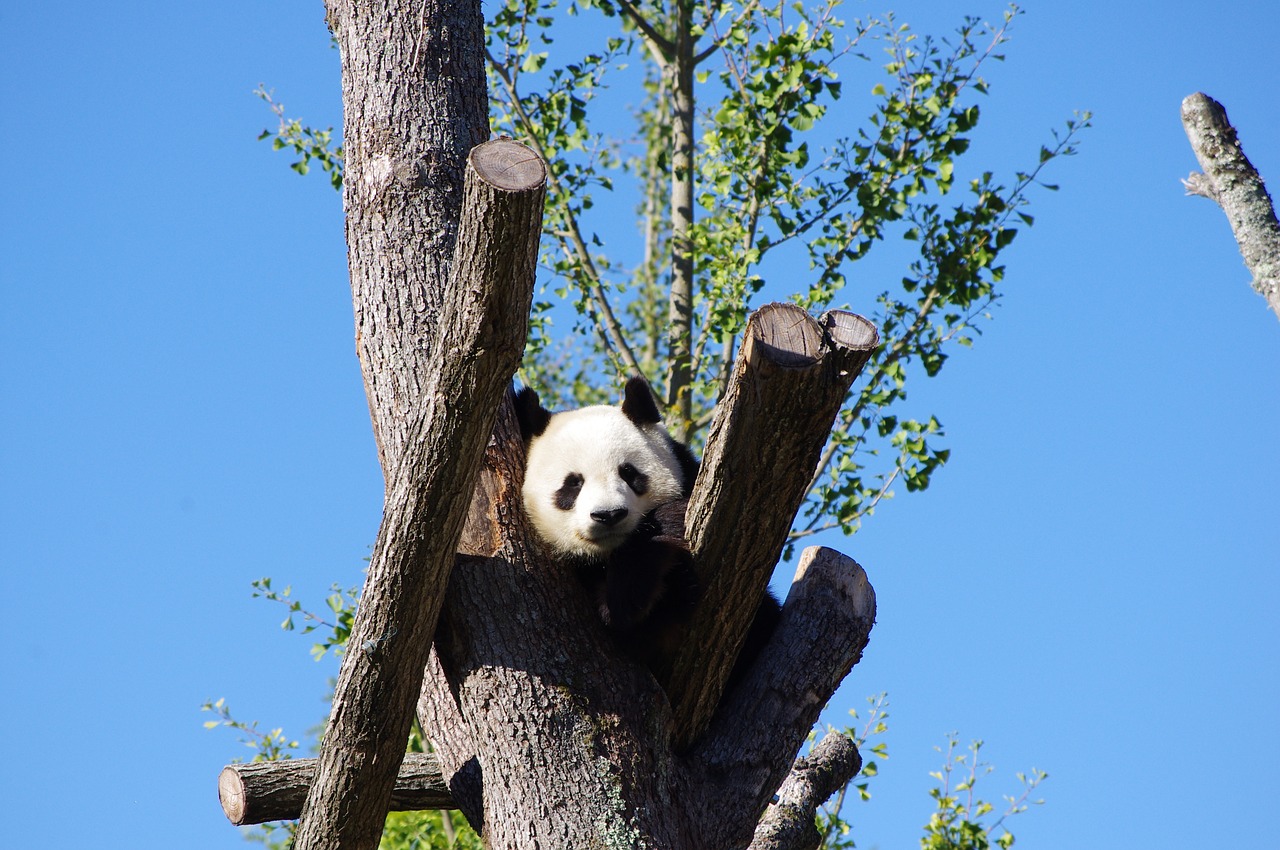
<point x="605" y="490"/>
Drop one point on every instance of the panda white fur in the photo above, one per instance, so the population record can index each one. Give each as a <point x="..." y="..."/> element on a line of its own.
<point x="606" y="489"/>
<point x="591" y="474"/>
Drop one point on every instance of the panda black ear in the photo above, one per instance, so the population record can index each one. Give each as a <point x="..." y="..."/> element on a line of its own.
<point x="638" y="403"/>
<point x="530" y="413"/>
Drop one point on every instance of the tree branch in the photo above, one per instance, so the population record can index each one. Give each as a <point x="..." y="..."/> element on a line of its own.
<point x="659" y="45"/>
<point x="788" y="824"/>
<point x="1230" y="180"/>
<point x="788" y="383"/>
<point x="477" y="350"/>
<point x="611" y="329"/>
<point x="263" y="791"/>
<point x="825" y="625"/>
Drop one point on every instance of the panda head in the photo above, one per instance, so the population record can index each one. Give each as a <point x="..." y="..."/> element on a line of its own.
<point x="592" y="474"/>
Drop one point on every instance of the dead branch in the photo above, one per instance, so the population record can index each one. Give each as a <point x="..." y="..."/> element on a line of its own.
<point x="788" y="824"/>
<point x="1231" y="181"/>
<point x="826" y="622"/>
<point x="788" y="383"/>
<point x="263" y="791"/>
<point x="478" y="348"/>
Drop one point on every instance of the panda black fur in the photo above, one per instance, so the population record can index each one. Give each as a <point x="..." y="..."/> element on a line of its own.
<point x="606" y="490"/>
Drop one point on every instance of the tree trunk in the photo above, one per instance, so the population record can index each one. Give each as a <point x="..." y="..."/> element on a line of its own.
<point x="1231" y="181"/>
<point x="546" y="735"/>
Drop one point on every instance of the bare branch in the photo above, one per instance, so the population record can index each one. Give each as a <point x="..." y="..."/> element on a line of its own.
<point x="263" y="791"/>
<point x="661" y="47"/>
<point x="477" y="351"/>
<point x="790" y="378"/>
<point x="1231" y="181"/>
<point x="788" y="824"/>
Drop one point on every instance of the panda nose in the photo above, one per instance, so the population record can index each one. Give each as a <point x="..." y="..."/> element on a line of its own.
<point x="609" y="518"/>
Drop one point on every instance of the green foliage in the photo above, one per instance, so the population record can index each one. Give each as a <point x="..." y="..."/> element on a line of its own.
<point x="962" y="820"/>
<point x="341" y="604"/>
<point x="834" y="826"/>
<point x="776" y="191"/>
<point x="306" y="143"/>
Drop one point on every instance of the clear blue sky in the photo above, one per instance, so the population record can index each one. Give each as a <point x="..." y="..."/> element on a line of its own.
<point x="1090" y="585"/>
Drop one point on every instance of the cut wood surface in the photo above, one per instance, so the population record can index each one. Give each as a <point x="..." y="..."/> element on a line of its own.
<point x="1231" y="181"/>
<point x="477" y="349"/>
<point x="257" y="792"/>
<point x="788" y="383"/>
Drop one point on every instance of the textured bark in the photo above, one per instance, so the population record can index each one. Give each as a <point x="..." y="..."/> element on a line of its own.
<point x="569" y="738"/>
<point x="263" y="791"/>
<point x="477" y="350"/>
<point x="826" y="622"/>
<point x="415" y="104"/>
<point x="546" y="735"/>
<point x="789" y="823"/>
<point x="1230" y="180"/>
<point x="790" y="378"/>
<point x="679" y="69"/>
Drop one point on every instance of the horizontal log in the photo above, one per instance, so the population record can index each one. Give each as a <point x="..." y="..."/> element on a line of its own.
<point x="263" y="791"/>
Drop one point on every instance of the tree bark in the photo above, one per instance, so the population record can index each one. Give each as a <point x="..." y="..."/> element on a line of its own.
<point x="679" y="69"/>
<point x="1231" y="181"/>
<point x="263" y="791"/>
<point x="415" y="103"/>
<point x="789" y="381"/>
<point x="547" y="736"/>
<point x="478" y="349"/>
<point x="789" y="823"/>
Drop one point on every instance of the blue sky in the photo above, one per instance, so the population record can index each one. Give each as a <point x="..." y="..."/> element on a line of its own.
<point x="1089" y="585"/>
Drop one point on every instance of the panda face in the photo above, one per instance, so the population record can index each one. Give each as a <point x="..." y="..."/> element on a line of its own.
<point x="591" y="476"/>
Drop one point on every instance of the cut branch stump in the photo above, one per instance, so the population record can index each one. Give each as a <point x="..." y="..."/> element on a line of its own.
<point x="790" y="378"/>
<point x="258" y="792"/>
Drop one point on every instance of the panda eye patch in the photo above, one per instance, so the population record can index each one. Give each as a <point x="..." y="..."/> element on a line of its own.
<point x="634" y="478"/>
<point x="567" y="495"/>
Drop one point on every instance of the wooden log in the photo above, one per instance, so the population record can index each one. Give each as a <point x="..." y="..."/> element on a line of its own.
<point x="788" y="383"/>
<point x="477" y="350"/>
<point x="825" y="625"/>
<point x="1231" y="181"/>
<point x="788" y="824"/>
<point x="257" y="792"/>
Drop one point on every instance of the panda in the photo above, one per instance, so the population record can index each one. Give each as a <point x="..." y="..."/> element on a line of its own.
<point x="605" y="490"/>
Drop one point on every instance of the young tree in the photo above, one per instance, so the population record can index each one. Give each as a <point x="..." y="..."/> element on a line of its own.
<point x="544" y="734"/>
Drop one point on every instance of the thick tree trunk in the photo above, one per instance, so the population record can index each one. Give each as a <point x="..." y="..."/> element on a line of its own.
<point x="415" y="103"/>
<point x="546" y="735"/>
<point x="482" y="336"/>
<point x="549" y="737"/>
<point x="1230" y="180"/>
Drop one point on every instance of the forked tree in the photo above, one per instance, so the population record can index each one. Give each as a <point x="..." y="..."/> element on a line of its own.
<point x="543" y="733"/>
